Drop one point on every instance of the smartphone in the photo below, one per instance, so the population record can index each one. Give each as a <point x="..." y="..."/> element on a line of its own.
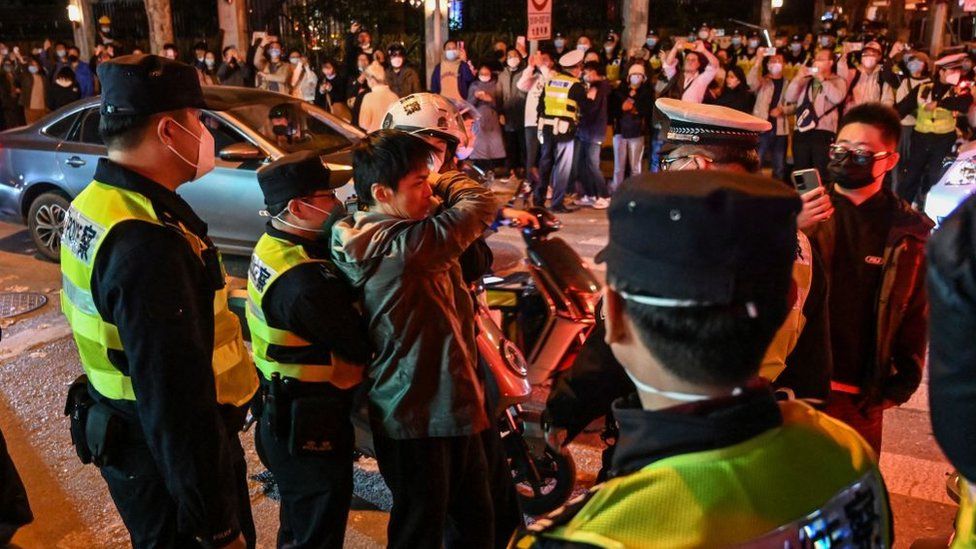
<point x="769" y="52"/>
<point x="769" y="41"/>
<point x="806" y="180"/>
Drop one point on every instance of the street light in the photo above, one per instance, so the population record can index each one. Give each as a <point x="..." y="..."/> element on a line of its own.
<point x="776" y="4"/>
<point x="74" y="13"/>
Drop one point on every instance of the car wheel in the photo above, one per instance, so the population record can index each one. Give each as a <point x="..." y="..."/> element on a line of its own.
<point x="45" y="221"/>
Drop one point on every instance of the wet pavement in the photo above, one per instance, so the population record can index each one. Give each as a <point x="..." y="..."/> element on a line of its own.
<point x="38" y="361"/>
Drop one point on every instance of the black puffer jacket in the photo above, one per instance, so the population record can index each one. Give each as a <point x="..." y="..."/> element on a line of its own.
<point x="952" y="353"/>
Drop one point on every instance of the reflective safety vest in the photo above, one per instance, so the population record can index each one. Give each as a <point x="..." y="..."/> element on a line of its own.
<point x="939" y="121"/>
<point x="808" y="479"/>
<point x="92" y="216"/>
<point x="272" y="258"/>
<point x="965" y="537"/>
<point x="785" y="339"/>
<point x="557" y="101"/>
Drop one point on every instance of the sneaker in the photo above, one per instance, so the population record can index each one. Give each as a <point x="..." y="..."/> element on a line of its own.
<point x="601" y="204"/>
<point x="585" y="201"/>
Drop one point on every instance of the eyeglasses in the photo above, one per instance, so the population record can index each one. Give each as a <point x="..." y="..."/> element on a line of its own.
<point x="686" y="162"/>
<point x="322" y="195"/>
<point x="861" y="157"/>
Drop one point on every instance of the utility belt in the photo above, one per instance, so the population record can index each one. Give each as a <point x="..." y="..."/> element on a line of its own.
<point x="310" y="418"/>
<point x="558" y="126"/>
<point x="99" y="432"/>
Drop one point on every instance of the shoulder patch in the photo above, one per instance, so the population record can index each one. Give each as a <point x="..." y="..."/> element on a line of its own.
<point x="260" y="273"/>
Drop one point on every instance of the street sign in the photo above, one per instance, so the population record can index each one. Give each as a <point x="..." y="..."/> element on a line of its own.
<point x="540" y="20"/>
<point x="969" y="5"/>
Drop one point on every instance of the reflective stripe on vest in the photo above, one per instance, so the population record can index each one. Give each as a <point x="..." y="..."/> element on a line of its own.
<point x="272" y="258"/>
<point x="939" y="121"/>
<point x="774" y="362"/>
<point x="557" y="101"/>
<point x="91" y="217"/>
<point x="738" y="494"/>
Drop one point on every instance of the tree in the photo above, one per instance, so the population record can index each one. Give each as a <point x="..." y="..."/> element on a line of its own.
<point x="159" y="14"/>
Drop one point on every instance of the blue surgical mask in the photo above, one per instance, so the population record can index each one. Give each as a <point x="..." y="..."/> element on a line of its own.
<point x="32" y="69"/>
<point x="450" y="55"/>
<point x="559" y="43"/>
<point x="737" y="42"/>
<point x="651" y="42"/>
<point x="915" y="67"/>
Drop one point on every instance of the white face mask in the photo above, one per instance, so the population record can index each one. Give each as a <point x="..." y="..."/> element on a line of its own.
<point x="651" y="42"/>
<point x="636" y="79"/>
<point x="106" y="30"/>
<point x="209" y="62"/>
<point x="582" y="47"/>
<point x="295" y="60"/>
<point x="775" y="69"/>
<point x="559" y="43"/>
<point x="292" y="225"/>
<point x="450" y="55"/>
<point x="869" y="62"/>
<point x="513" y="62"/>
<point x="205" y="152"/>
<point x="703" y="35"/>
<point x="484" y="78"/>
<point x="396" y="62"/>
<point x="673" y="395"/>
<point x="754" y="44"/>
<point x="32" y="69"/>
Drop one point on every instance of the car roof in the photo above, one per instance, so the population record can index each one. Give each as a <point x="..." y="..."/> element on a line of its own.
<point x="217" y="98"/>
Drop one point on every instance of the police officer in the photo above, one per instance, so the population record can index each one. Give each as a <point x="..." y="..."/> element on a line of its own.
<point x="309" y="344"/>
<point x="168" y="376"/>
<point x="559" y="111"/>
<point x="707" y="457"/>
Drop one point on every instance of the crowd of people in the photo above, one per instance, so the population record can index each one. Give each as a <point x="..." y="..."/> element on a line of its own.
<point x="748" y="288"/>
<point x="801" y="83"/>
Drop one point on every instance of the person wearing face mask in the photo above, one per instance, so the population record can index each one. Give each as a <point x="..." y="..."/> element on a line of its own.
<point x="916" y="73"/>
<point x="652" y="44"/>
<point x="303" y="79"/>
<point x="168" y="378"/>
<point x="630" y="111"/>
<point x="818" y="94"/>
<point x="64" y="90"/>
<point x="559" y="113"/>
<point x="170" y="51"/>
<point x="105" y="36"/>
<point x="54" y="57"/>
<point x="331" y="91"/>
<point x="489" y="148"/>
<point x="796" y="55"/>
<point x="310" y="363"/>
<point x="735" y="92"/>
<point x="737" y="48"/>
<point x="771" y="105"/>
<point x="936" y="105"/>
<point x="358" y="41"/>
<point x="513" y="111"/>
<point x="559" y="43"/>
<point x="208" y="74"/>
<point x="707" y="456"/>
<point x="532" y="81"/>
<point x="873" y="247"/>
<point x="584" y="44"/>
<point x="232" y="72"/>
<point x="698" y="69"/>
<point x="274" y="71"/>
<point x="33" y="94"/>
<point x="612" y="57"/>
<point x="402" y="78"/>
<point x="866" y="82"/>
<point x="83" y="72"/>
<point x="453" y="75"/>
<point x="200" y="55"/>
<point x="590" y="134"/>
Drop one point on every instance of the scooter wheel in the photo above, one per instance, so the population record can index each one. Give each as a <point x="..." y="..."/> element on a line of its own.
<point x="556" y="480"/>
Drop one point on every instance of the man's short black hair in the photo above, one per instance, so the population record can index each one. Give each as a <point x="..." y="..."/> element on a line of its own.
<point x="224" y="51"/>
<point x="716" y="346"/>
<point x="124" y="131"/>
<point x="386" y="157"/>
<point x="450" y="41"/>
<point x="878" y="115"/>
<point x="169" y="46"/>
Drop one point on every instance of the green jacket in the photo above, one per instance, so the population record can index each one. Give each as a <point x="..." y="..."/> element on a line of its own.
<point x="420" y="312"/>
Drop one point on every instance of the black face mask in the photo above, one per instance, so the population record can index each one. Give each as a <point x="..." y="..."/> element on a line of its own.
<point x="850" y="175"/>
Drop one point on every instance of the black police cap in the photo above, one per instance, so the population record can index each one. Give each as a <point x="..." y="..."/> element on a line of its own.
<point x="148" y="84"/>
<point x="701" y="237"/>
<point x="300" y="174"/>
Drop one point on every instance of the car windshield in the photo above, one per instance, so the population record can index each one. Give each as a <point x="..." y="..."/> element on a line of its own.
<point x="294" y="125"/>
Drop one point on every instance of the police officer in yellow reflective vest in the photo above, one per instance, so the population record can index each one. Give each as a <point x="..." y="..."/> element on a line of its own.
<point x="310" y="343"/>
<point x="167" y="377"/>
<point x="559" y="114"/>
<point x="706" y="456"/>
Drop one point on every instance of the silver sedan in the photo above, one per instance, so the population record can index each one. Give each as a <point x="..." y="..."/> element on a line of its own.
<point x="44" y="165"/>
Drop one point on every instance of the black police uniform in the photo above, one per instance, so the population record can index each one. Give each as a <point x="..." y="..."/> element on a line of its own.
<point x="177" y="471"/>
<point x="313" y="301"/>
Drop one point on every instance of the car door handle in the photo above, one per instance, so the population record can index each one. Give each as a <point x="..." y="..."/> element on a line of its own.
<point x="75" y="162"/>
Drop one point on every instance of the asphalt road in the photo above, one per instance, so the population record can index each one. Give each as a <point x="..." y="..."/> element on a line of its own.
<point x="38" y="361"/>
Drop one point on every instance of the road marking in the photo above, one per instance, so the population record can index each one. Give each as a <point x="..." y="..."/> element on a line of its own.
<point x="22" y="342"/>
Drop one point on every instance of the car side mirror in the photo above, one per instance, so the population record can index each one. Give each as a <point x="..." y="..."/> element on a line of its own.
<point x="238" y="152"/>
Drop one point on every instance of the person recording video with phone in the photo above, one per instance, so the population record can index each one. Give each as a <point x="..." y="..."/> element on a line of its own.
<point x="873" y="251"/>
<point x="818" y="94"/>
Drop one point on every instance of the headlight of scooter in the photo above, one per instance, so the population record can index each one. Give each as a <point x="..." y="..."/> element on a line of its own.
<point x="514" y="359"/>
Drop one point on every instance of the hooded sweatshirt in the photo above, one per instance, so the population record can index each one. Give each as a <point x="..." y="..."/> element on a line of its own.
<point x="420" y="312"/>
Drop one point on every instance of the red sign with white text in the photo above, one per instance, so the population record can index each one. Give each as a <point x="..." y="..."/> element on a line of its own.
<point x="540" y="20"/>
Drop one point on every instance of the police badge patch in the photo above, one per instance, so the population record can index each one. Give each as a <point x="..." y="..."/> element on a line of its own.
<point x="81" y="235"/>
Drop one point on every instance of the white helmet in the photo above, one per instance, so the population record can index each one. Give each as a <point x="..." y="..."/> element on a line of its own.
<point x="427" y="114"/>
